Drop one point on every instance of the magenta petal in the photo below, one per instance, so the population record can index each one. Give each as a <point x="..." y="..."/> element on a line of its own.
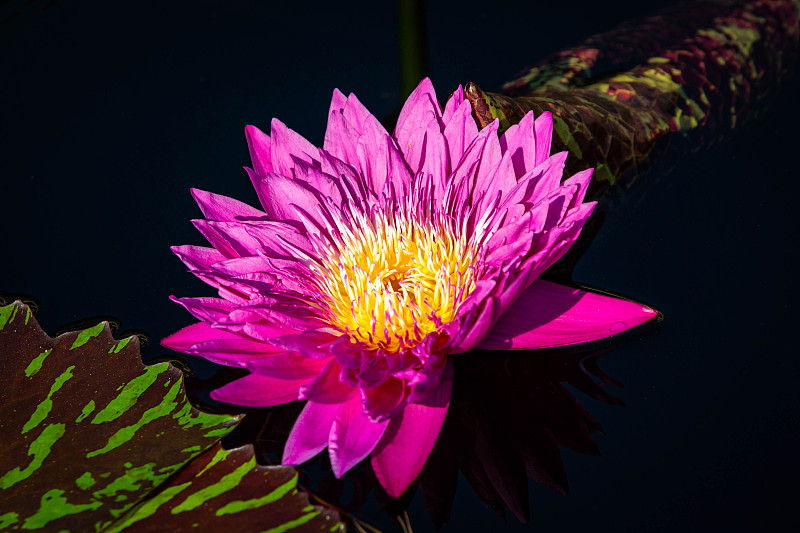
<point x="182" y="340"/>
<point x="258" y="391"/>
<point x="286" y="366"/>
<point x="310" y="432"/>
<point x="288" y="144"/>
<point x="312" y="344"/>
<point x="222" y="208"/>
<point x="417" y="111"/>
<point x="326" y="388"/>
<point x="548" y="314"/>
<point x="259" y="144"/>
<point x="197" y="257"/>
<point x="282" y="193"/>
<point x="353" y="436"/>
<point x="543" y="130"/>
<point x="408" y="441"/>
<point x="233" y="351"/>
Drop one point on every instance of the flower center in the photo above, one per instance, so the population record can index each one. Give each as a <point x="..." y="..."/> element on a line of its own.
<point x="391" y="280"/>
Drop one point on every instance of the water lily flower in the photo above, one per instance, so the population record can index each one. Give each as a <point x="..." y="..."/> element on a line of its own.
<point x="376" y="259"/>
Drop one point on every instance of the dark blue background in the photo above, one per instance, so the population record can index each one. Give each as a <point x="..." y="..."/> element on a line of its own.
<point x="111" y="111"/>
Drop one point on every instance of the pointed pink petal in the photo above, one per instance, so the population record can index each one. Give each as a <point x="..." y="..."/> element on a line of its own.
<point x="341" y="139"/>
<point x="197" y="257"/>
<point x="519" y="140"/>
<point x="222" y="208"/>
<point x="287" y="143"/>
<point x="353" y="436"/>
<point x="360" y="118"/>
<point x="552" y="169"/>
<point x="380" y="161"/>
<point x="233" y="351"/>
<point x="399" y="457"/>
<point x="338" y="101"/>
<point x="581" y="179"/>
<point x="205" y="308"/>
<point x="258" y="391"/>
<point x="548" y="314"/>
<point x="259" y="144"/>
<point x="414" y="117"/>
<point x="543" y="130"/>
<point x="459" y="133"/>
<point x="182" y="340"/>
<point x="286" y="366"/>
<point x="310" y="432"/>
<point x="434" y="159"/>
<point x="453" y="103"/>
<point x="282" y="193"/>
<point x="229" y="238"/>
<point x="312" y="344"/>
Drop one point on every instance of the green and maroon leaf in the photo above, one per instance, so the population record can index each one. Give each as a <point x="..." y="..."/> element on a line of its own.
<point x="224" y="487"/>
<point x="87" y="430"/>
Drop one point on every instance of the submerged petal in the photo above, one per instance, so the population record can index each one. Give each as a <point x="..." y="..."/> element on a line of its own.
<point x="548" y="314"/>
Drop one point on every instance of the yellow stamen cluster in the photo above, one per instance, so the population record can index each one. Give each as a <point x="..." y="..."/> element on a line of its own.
<point x="392" y="280"/>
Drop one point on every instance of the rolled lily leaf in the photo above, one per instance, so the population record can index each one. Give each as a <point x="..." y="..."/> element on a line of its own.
<point x="89" y="432"/>
<point x="704" y="72"/>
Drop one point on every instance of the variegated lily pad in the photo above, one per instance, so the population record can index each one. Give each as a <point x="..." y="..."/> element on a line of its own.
<point x="89" y="435"/>
<point x="222" y="487"/>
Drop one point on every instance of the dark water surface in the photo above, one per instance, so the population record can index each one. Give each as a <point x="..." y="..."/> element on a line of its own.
<point x="111" y="111"/>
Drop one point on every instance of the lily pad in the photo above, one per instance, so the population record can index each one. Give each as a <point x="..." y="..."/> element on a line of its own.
<point x="90" y="435"/>
<point x="222" y="487"/>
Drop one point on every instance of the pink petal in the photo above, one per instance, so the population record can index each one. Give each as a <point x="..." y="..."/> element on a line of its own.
<point x="399" y="457"/>
<point x="327" y="388"/>
<point x="258" y="391"/>
<point x="197" y="257"/>
<point x="520" y="142"/>
<point x="552" y="169"/>
<point x="420" y="105"/>
<point x="341" y="139"/>
<point x="310" y="433"/>
<point x="453" y="103"/>
<point x="548" y="314"/>
<point x="360" y="118"/>
<point x="312" y="344"/>
<point x="230" y="238"/>
<point x="581" y="179"/>
<point x="459" y="133"/>
<point x="281" y="193"/>
<point x="353" y="436"/>
<point x="182" y="340"/>
<point x="205" y="308"/>
<point x="338" y="101"/>
<point x="286" y="144"/>
<point x="222" y="208"/>
<point x="286" y="366"/>
<point x="380" y="160"/>
<point x="382" y="400"/>
<point x="259" y="144"/>
<point x="543" y="130"/>
<point x="233" y="351"/>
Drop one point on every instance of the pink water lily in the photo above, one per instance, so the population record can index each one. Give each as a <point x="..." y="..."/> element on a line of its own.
<point x="375" y="259"/>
